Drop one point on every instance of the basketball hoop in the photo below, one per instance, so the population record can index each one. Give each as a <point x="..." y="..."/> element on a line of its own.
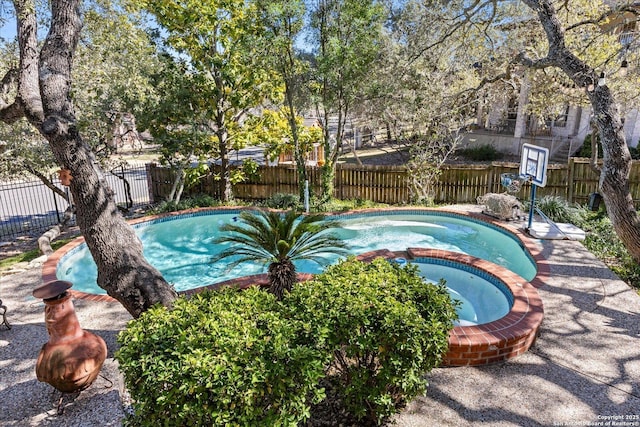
<point x="533" y="166"/>
<point x="512" y="182"/>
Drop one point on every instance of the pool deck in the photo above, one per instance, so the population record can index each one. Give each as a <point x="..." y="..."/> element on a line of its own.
<point x="584" y="368"/>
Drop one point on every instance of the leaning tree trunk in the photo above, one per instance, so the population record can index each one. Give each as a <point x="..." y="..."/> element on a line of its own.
<point x="616" y="167"/>
<point x="614" y="176"/>
<point x="122" y="269"/>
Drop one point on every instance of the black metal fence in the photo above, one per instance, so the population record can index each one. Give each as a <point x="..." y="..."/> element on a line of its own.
<point x="30" y="207"/>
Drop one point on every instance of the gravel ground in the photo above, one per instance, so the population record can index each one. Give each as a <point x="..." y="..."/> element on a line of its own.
<point x="583" y="369"/>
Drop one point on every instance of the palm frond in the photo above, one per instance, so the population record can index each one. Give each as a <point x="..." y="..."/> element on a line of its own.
<point x="249" y="253"/>
<point x="278" y="239"/>
<point x="318" y="243"/>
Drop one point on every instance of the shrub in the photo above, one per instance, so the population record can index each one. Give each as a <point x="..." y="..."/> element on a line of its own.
<point x="221" y="358"/>
<point x="386" y="328"/>
<point x="604" y="243"/>
<point x="338" y="205"/>
<point x="586" y="151"/>
<point x="559" y="210"/>
<point x="197" y="201"/>
<point x="243" y="358"/>
<point x="481" y="153"/>
<point x="282" y="201"/>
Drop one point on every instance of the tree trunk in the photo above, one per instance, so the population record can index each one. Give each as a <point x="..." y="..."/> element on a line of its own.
<point x="614" y="176"/>
<point x="226" y="192"/>
<point x="178" y="185"/>
<point x="301" y="167"/>
<point x="282" y="277"/>
<point x="122" y="270"/>
<point x="616" y="167"/>
<point x="328" y="176"/>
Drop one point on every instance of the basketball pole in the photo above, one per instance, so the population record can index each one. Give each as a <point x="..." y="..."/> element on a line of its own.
<point x="532" y="204"/>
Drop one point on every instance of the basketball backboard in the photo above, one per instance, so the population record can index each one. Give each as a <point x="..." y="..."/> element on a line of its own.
<point x="533" y="164"/>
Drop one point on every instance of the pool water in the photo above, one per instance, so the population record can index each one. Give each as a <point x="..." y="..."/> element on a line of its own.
<point x="482" y="301"/>
<point x="181" y="248"/>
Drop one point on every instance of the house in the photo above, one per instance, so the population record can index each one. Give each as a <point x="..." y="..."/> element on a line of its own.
<point x="507" y="126"/>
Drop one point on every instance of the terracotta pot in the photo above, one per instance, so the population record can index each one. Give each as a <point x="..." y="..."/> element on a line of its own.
<point x="72" y="358"/>
<point x="65" y="177"/>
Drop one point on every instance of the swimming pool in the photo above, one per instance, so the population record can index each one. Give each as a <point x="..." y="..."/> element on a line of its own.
<point x="491" y="335"/>
<point x="482" y="297"/>
<point x="181" y="248"/>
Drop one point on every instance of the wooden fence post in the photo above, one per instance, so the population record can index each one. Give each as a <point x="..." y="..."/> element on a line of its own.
<point x="570" y="174"/>
<point x="490" y="178"/>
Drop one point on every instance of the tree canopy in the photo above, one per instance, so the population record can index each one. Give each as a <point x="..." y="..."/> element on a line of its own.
<point x="224" y="46"/>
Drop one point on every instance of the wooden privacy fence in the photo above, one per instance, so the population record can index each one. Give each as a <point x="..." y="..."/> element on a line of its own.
<point x="574" y="181"/>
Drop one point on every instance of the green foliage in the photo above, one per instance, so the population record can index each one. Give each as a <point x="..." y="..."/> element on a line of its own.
<point x="175" y="119"/>
<point x="558" y="209"/>
<point x="221" y="358"/>
<point x="635" y="153"/>
<point x="112" y="74"/>
<point x="272" y="129"/>
<point x="269" y="237"/>
<point x="282" y="201"/>
<point x="193" y="175"/>
<point x="481" y="153"/>
<point x="586" y="150"/>
<point x="24" y="151"/>
<point x="386" y="328"/>
<point x="348" y="37"/>
<point x="604" y="243"/>
<point x="243" y="358"/>
<point x="197" y="201"/>
<point x="225" y="54"/>
<point x="110" y="81"/>
<point x="248" y="171"/>
<point x="338" y="205"/>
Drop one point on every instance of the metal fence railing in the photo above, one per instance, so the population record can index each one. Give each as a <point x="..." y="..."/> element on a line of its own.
<point x="30" y="207"/>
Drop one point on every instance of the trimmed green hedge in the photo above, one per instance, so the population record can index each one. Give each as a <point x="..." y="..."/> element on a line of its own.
<point x="387" y="328"/>
<point x="243" y="358"/>
<point x="221" y="358"/>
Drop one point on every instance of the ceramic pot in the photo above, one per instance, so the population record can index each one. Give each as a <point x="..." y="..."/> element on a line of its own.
<point x="71" y="359"/>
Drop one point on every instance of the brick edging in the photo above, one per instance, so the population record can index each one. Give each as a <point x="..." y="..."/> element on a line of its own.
<point x="501" y="339"/>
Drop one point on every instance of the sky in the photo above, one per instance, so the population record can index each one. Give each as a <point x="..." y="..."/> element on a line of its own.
<point x="8" y="30"/>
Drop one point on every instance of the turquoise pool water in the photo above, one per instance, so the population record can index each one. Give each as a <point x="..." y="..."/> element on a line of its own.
<point x="483" y="298"/>
<point x="181" y="247"/>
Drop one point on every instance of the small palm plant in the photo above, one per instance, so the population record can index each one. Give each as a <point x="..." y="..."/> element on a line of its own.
<point x="278" y="239"/>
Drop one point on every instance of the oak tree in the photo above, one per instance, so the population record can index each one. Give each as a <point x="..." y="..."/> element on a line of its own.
<point x="224" y="44"/>
<point x="39" y="89"/>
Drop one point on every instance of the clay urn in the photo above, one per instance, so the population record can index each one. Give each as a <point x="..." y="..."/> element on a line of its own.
<point x="71" y="359"/>
<point x="65" y="177"/>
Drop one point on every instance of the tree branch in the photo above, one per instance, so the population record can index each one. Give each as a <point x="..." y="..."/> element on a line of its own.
<point x="627" y="8"/>
<point x="463" y="19"/>
<point x="538" y="64"/>
<point x="29" y="85"/>
<point x="46" y="181"/>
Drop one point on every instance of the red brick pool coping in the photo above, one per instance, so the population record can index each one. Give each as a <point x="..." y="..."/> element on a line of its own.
<point x="492" y="342"/>
<point x="501" y="339"/>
